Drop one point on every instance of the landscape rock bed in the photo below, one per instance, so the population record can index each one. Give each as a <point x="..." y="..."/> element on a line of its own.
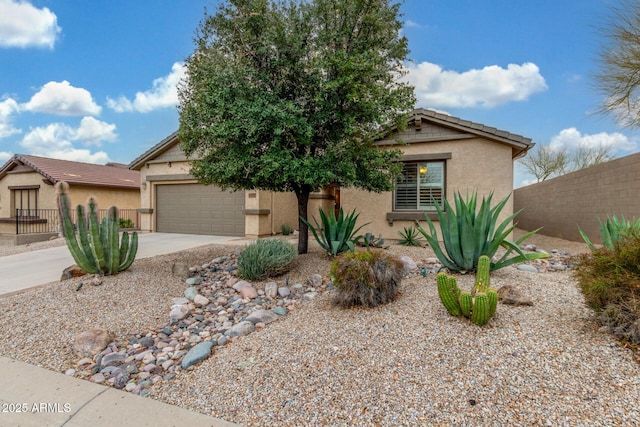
<point x="216" y="308"/>
<point x="404" y="363"/>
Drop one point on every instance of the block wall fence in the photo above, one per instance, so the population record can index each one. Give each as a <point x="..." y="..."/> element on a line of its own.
<point x="560" y="205"/>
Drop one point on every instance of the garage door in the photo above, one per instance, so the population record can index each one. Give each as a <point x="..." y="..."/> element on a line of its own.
<point x="199" y="209"/>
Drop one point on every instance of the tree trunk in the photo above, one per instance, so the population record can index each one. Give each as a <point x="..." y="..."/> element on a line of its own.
<point x="302" y="194"/>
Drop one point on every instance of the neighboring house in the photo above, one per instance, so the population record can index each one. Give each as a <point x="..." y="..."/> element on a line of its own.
<point x="442" y="155"/>
<point x="27" y="191"/>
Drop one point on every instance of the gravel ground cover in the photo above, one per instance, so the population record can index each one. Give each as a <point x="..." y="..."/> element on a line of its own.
<point x="405" y="363"/>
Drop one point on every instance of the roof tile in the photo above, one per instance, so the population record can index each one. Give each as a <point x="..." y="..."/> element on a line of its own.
<point x="110" y="175"/>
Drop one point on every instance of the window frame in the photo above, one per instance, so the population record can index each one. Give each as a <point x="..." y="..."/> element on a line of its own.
<point x="21" y="191"/>
<point x="419" y="215"/>
<point x="428" y="207"/>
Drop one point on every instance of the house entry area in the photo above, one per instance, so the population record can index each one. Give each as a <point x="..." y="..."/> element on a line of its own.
<point x="199" y="209"/>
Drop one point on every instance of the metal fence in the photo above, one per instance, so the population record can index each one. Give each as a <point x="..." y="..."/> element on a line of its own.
<point x="30" y="221"/>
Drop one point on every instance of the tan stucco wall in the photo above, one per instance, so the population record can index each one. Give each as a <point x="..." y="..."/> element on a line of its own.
<point x="275" y="209"/>
<point x="122" y="198"/>
<point x="282" y="209"/>
<point x="475" y="165"/>
<point x="46" y="193"/>
<point x="105" y="197"/>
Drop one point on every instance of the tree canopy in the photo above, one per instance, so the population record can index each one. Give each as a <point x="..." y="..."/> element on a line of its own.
<point x="546" y="162"/>
<point x="618" y="77"/>
<point x="289" y="95"/>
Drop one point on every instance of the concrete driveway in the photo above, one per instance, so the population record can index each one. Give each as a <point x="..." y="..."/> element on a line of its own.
<point x="29" y="269"/>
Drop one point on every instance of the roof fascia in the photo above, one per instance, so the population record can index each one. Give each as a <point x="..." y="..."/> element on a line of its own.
<point x="154" y="151"/>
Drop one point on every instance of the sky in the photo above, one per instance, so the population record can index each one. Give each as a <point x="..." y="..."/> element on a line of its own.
<point x="96" y="81"/>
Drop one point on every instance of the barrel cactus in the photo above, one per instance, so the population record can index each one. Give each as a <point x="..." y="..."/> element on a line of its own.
<point x="479" y="305"/>
<point x="97" y="247"/>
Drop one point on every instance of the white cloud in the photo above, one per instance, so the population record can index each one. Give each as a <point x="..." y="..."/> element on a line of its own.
<point x="571" y="139"/>
<point x="23" y="25"/>
<point x="4" y="156"/>
<point x="411" y="24"/>
<point x="8" y="107"/>
<point x="489" y="87"/>
<point x="93" y="132"/>
<point x="56" y="140"/>
<point x="163" y="93"/>
<point x="62" y="99"/>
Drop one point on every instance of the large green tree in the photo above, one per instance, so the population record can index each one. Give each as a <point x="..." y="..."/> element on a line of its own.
<point x="289" y="95"/>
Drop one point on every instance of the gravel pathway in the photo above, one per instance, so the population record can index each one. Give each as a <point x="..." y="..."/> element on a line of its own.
<point x="405" y="363"/>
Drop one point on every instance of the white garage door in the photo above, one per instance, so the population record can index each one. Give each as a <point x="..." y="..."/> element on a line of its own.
<point x="199" y="209"/>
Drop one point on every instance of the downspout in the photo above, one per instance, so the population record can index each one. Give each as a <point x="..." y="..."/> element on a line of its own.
<point x="273" y="220"/>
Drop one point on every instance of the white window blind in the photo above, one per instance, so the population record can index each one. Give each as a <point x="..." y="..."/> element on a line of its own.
<point x="420" y="186"/>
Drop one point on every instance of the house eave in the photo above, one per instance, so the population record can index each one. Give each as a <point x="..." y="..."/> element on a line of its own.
<point x="154" y="151"/>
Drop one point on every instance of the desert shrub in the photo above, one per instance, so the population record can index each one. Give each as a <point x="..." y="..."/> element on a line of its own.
<point x="610" y="282"/>
<point x="126" y="223"/>
<point x="366" y="278"/>
<point x="409" y="237"/>
<point x="286" y="229"/>
<point x="265" y="258"/>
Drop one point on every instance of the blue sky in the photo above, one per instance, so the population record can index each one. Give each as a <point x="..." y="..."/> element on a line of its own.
<point x="95" y="81"/>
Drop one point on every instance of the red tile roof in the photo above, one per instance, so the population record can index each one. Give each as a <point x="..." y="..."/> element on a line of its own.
<point x="78" y="173"/>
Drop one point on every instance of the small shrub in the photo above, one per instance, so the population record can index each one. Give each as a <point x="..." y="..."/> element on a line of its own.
<point x="265" y="258"/>
<point x="366" y="278"/>
<point x="610" y="282"/>
<point x="286" y="229"/>
<point x="410" y="237"/>
<point x="126" y="223"/>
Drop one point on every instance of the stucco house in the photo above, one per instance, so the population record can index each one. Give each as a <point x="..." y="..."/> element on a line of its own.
<point x="27" y="191"/>
<point x="442" y="154"/>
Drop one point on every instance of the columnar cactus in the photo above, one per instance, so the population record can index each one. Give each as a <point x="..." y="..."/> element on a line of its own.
<point x="449" y="292"/>
<point x="479" y="305"/>
<point x="96" y="249"/>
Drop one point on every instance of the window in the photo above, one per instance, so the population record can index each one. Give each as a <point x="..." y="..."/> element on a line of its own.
<point x="420" y="186"/>
<point x="25" y="199"/>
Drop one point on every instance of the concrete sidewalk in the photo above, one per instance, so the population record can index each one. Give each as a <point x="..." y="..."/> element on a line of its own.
<point x="32" y="396"/>
<point x="29" y="269"/>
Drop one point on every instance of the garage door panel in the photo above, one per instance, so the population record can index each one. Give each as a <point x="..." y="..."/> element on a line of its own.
<point x="199" y="209"/>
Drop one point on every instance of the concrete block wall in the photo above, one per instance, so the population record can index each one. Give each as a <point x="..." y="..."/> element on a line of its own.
<point x="561" y="205"/>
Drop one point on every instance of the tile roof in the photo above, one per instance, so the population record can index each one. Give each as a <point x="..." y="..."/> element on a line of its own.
<point x="520" y="144"/>
<point x="476" y="128"/>
<point x="78" y="173"/>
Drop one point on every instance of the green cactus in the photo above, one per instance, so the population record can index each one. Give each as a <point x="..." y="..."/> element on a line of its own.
<point x="479" y="305"/>
<point x="480" y="313"/>
<point x="466" y="303"/>
<point x="448" y="292"/>
<point x="492" y="295"/>
<point x="482" y="275"/>
<point x="98" y="250"/>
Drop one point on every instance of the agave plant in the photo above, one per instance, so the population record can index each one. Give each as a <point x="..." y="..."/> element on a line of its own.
<point x="612" y="231"/>
<point x="410" y="237"/>
<point x="336" y="235"/>
<point x="468" y="234"/>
